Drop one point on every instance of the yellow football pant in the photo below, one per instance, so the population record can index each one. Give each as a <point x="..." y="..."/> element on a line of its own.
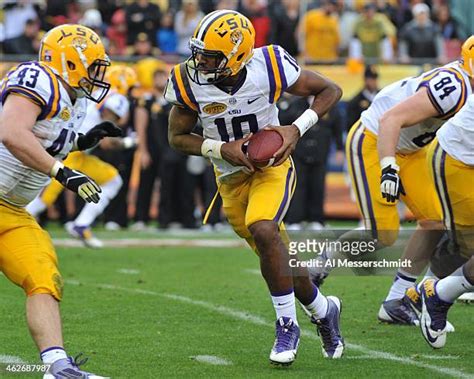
<point x="380" y="216"/>
<point x="265" y="195"/>
<point x="454" y="183"/>
<point x="27" y="255"/>
<point x="96" y="169"/>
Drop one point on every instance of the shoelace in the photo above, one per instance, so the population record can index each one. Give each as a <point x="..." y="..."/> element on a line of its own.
<point x="285" y="337"/>
<point x="77" y="361"/>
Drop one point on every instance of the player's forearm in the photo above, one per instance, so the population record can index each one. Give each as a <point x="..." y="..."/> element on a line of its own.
<point x="389" y="133"/>
<point x="189" y="144"/>
<point x="24" y="146"/>
<point x="326" y="99"/>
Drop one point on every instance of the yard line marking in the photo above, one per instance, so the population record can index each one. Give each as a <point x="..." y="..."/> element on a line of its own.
<point x="153" y="242"/>
<point x="212" y="360"/>
<point x="423" y="356"/>
<point x="253" y="271"/>
<point x="439" y="357"/>
<point x="11" y="359"/>
<point x="245" y="316"/>
<point x="128" y="271"/>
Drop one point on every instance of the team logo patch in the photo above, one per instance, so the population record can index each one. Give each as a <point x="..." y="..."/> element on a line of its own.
<point x="65" y="114"/>
<point x="79" y="43"/>
<point x="58" y="283"/>
<point x="236" y="36"/>
<point x="214" y="108"/>
<point x="232" y="101"/>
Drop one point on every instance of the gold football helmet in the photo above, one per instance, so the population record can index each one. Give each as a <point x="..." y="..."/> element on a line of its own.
<point x="221" y="45"/>
<point x="145" y="68"/>
<point x="78" y="56"/>
<point x="467" y="56"/>
<point x="121" y="78"/>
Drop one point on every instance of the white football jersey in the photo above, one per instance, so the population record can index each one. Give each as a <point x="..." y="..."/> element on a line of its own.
<point x="115" y="102"/>
<point x="448" y="88"/>
<point x="56" y="128"/>
<point x="249" y="107"/>
<point x="456" y="137"/>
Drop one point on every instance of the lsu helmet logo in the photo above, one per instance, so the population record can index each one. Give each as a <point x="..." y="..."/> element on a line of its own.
<point x="214" y="108"/>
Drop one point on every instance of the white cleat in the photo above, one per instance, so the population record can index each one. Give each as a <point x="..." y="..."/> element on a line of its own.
<point x="467" y="298"/>
<point x="85" y="235"/>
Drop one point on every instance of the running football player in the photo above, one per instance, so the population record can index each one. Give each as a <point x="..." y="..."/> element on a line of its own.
<point x="43" y="105"/>
<point x="114" y="108"/>
<point x="386" y="151"/>
<point x="233" y="89"/>
<point x="451" y="161"/>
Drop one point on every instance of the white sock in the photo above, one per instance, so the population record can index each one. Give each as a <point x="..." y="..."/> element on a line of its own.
<point x="401" y="283"/>
<point x="285" y="306"/>
<point x="91" y="211"/>
<point x="319" y="306"/>
<point x="453" y="286"/>
<point x="36" y="207"/>
<point x="52" y="354"/>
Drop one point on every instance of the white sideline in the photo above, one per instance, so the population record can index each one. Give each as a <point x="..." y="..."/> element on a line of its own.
<point x="153" y="242"/>
<point x="11" y="359"/>
<point x="128" y="271"/>
<point x="245" y="316"/>
<point x="212" y="360"/>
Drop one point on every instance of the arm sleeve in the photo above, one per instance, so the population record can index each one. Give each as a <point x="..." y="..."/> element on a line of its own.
<point x="447" y="90"/>
<point x="282" y="70"/>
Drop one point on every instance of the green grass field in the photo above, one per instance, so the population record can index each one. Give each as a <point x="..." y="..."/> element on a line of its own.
<point x="158" y="312"/>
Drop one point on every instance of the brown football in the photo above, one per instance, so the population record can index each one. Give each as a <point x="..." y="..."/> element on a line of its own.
<point x="262" y="146"/>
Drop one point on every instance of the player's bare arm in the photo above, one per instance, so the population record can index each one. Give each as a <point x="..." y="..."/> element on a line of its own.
<point x="411" y="111"/>
<point x="16" y="124"/>
<point x="326" y="94"/>
<point x="181" y="138"/>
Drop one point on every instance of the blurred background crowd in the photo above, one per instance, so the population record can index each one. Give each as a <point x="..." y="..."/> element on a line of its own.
<point x="344" y="38"/>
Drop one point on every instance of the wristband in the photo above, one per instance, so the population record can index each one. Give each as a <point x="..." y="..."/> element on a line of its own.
<point x="389" y="161"/>
<point x="55" y="169"/>
<point x="211" y="148"/>
<point x="306" y="121"/>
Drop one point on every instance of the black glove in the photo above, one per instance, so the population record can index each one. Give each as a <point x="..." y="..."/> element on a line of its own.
<point x="77" y="182"/>
<point x="93" y="136"/>
<point x="390" y="183"/>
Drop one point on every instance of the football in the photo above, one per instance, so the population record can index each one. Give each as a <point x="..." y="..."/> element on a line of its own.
<point x="262" y="146"/>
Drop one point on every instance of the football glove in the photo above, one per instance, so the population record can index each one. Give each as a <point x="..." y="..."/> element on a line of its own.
<point x="77" y="182"/>
<point x="390" y="183"/>
<point x="98" y="132"/>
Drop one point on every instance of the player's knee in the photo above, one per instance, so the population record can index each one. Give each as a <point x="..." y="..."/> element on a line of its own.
<point x="431" y="224"/>
<point x="387" y="238"/>
<point x="51" y="284"/>
<point x="265" y="233"/>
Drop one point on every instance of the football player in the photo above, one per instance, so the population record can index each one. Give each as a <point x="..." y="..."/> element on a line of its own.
<point x="451" y="163"/>
<point x="403" y="134"/>
<point x="386" y="152"/>
<point x="114" y="108"/>
<point x="233" y="89"/>
<point x="43" y="105"/>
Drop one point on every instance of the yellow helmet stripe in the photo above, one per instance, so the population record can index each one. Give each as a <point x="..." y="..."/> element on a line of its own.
<point x="55" y="98"/>
<point x="179" y="88"/>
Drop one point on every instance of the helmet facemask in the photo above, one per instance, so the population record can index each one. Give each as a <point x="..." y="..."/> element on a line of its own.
<point x="95" y="87"/>
<point x="215" y="69"/>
